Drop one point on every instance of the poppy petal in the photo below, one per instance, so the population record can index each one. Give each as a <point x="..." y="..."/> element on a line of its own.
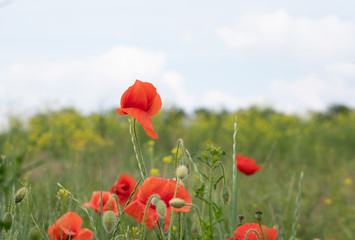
<point x="84" y="234"/>
<point x="240" y="232"/>
<point x="154" y="105"/>
<point x="135" y="97"/>
<point x="150" y="186"/>
<point x="143" y="118"/>
<point x="123" y="188"/>
<point x="136" y="209"/>
<point x="168" y="193"/>
<point x="70" y="220"/>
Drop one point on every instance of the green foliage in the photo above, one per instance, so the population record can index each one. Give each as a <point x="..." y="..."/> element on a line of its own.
<point x="72" y="146"/>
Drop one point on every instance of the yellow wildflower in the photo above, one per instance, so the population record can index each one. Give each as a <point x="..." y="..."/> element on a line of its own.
<point x="348" y="181"/>
<point x="328" y="201"/>
<point x="154" y="172"/>
<point x="167" y="159"/>
<point x="150" y="143"/>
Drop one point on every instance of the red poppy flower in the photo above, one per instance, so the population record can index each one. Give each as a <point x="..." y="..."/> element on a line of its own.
<point x="123" y="188"/>
<point x="247" y="165"/>
<point x="141" y="101"/>
<point x="241" y="231"/>
<point x="165" y="189"/>
<point x="69" y="225"/>
<point x="95" y="202"/>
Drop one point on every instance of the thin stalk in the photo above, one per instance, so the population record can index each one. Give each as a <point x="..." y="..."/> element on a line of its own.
<point x="160" y="228"/>
<point x="261" y="229"/>
<point x="293" y="236"/>
<point x="101" y="205"/>
<point x="172" y="210"/>
<point x="145" y="215"/>
<point x="252" y="230"/>
<point x="235" y="179"/>
<point x="198" y="215"/>
<point x="137" y="149"/>
<point x="180" y="225"/>
<point x="210" y="203"/>
<point x="119" y="213"/>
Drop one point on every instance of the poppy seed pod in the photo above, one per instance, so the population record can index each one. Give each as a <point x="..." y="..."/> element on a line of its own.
<point x="7" y="221"/>
<point x="225" y="195"/>
<point x="177" y="203"/>
<point x="182" y="171"/>
<point x="20" y="195"/>
<point x="34" y="234"/>
<point x="109" y="221"/>
<point x="259" y="215"/>
<point x="161" y="208"/>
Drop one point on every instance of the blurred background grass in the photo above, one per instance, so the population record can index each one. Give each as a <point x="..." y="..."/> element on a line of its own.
<point x="73" y="146"/>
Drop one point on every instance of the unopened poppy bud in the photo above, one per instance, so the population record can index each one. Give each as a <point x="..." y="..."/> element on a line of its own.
<point x="177" y="203"/>
<point x="161" y="208"/>
<point x="259" y="215"/>
<point x="7" y="221"/>
<point x="109" y="221"/>
<point x="225" y="195"/>
<point x="241" y="218"/>
<point x="34" y="234"/>
<point x="182" y="171"/>
<point x="20" y="194"/>
<point x="155" y="200"/>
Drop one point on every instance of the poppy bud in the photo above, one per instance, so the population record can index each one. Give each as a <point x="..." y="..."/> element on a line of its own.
<point x="7" y="221"/>
<point x="225" y="195"/>
<point x="20" y="195"/>
<point x="161" y="208"/>
<point x="181" y="171"/>
<point x="259" y="215"/>
<point x="177" y="203"/>
<point x="109" y="221"/>
<point x="155" y="200"/>
<point x="34" y="234"/>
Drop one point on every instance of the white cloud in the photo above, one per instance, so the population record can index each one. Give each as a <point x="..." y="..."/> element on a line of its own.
<point x="217" y="99"/>
<point x="278" y="32"/>
<point x="175" y="82"/>
<point x="342" y="68"/>
<point x="88" y="83"/>
<point x="313" y="92"/>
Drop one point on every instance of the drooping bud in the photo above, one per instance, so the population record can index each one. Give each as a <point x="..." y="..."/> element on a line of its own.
<point x="225" y="195"/>
<point x="259" y="215"/>
<point x="182" y="171"/>
<point x="20" y="195"/>
<point x="177" y="203"/>
<point x="155" y="200"/>
<point x="34" y="234"/>
<point x="7" y="221"/>
<point x="109" y="221"/>
<point x="161" y="208"/>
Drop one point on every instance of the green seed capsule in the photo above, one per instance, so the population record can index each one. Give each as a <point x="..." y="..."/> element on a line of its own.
<point x="109" y="221"/>
<point x="7" y="221"/>
<point x="20" y="195"/>
<point x="34" y="234"/>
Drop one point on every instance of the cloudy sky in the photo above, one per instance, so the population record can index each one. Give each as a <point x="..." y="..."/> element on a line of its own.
<point x="292" y="55"/>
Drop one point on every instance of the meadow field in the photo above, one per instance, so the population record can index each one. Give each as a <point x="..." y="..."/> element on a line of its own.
<point x="87" y="153"/>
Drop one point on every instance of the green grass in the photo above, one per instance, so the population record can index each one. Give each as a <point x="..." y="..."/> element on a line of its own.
<point x="72" y="147"/>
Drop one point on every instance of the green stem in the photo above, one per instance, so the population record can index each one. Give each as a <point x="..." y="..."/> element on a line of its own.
<point x="180" y="225"/>
<point x="252" y="230"/>
<point x="198" y="215"/>
<point x="137" y="149"/>
<point x="223" y="172"/>
<point x="293" y="237"/>
<point x="160" y="230"/>
<point x="235" y="179"/>
<point x="145" y="214"/>
<point x="119" y="213"/>
<point x="261" y="229"/>
<point x="210" y="203"/>
<point x="172" y="210"/>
